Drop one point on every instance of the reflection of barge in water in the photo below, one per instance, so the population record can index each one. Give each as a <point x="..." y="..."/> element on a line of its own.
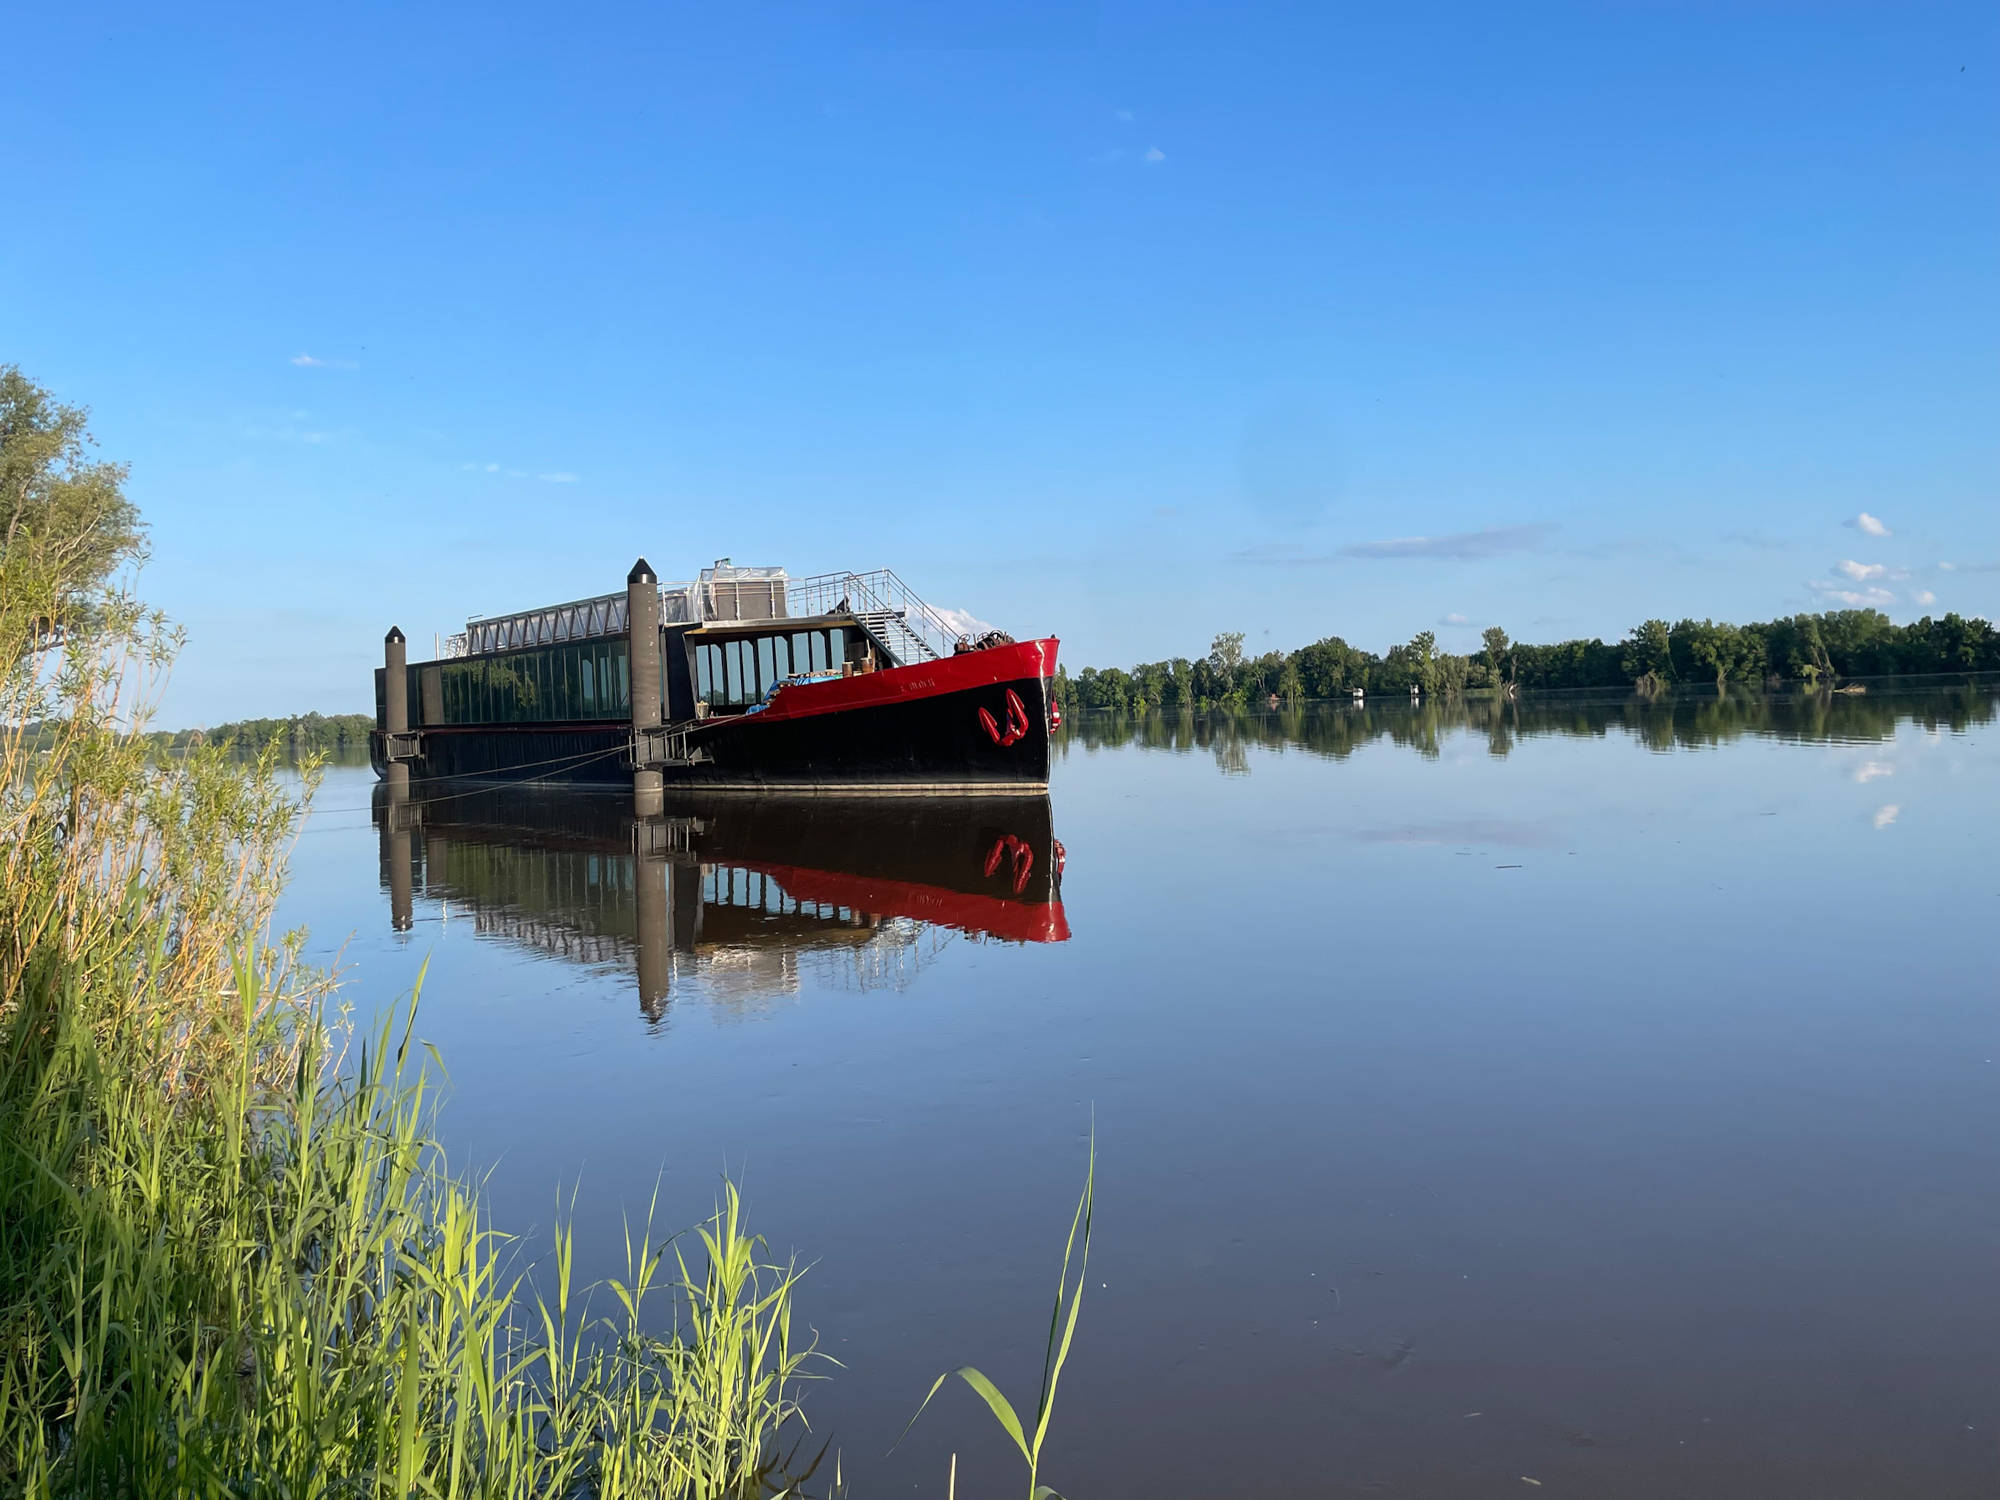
<point x="744" y="679"/>
<point x="734" y="890"/>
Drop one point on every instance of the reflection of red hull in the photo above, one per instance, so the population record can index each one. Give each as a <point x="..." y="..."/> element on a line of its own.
<point x="974" y="864"/>
<point x="1000" y="916"/>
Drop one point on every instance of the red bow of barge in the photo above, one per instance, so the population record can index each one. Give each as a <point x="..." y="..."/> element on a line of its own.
<point x="743" y="680"/>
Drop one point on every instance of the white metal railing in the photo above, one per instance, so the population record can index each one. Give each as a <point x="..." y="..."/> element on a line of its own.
<point x="881" y="600"/>
<point x="878" y="599"/>
<point x="578" y="620"/>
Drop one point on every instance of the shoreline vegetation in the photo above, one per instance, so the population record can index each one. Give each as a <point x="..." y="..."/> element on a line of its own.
<point x="1672" y="721"/>
<point x="233" y="1258"/>
<point x="342" y="735"/>
<point x="1818" y="652"/>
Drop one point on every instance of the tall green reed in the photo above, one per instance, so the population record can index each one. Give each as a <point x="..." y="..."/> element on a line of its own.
<point x="1062" y="1332"/>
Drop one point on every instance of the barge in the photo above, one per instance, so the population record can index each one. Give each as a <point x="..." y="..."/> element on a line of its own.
<point x="744" y="680"/>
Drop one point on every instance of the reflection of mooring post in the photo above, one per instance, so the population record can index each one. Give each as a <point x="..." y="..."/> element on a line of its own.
<point x="656" y="929"/>
<point x="396" y="708"/>
<point x="396" y="830"/>
<point x="642" y="619"/>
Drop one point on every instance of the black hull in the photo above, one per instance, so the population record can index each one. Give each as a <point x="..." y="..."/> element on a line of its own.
<point x="937" y="742"/>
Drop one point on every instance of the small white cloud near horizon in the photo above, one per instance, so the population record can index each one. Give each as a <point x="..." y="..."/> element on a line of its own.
<point x="1870" y="598"/>
<point x="1886" y="814"/>
<point x="1154" y="156"/>
<point x="307" y="361"/>
<point x="1923" y="597"/>
<point x="1455" y="618"/>
<point x="1869" y="525"/>
<point x="1873" y="770"/>
<point x="1862" y="572"/>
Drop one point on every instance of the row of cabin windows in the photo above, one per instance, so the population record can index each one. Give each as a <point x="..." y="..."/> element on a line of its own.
<point x="592" y="679"/>
<point x="734" y="674"/>
<point x="582" y="680"/>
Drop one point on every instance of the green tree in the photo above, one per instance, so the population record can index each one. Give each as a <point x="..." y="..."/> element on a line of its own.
<point x="1714" y="647"/>
<point x="1424" y="660"/>
<point x="1803" y="647"/>
<point x="1499" y="654"/>
<point x="64" y="518"/>
<point x="1649" y="654"/>
<point x="1225" y="654"/>
<point x="1329" y="667"/>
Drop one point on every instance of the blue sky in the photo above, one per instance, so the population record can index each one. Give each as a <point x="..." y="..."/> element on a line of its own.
<point x="1128" y="324"/>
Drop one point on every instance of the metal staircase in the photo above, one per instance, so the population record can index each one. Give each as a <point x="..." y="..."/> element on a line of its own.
<point x="892" y="613"/>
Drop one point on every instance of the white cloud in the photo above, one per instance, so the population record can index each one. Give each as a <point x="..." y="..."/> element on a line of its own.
<point x="1154" y="156"/>
<point x="1886" y="814"/>
<point x="1492" y="542"/>
<point x="1873" y="770"/>
<point x="1870" y="598"/>
<point x="313" y="362"/>
<point x="964" y="622"/>
<point x="1923" y="597"/>
<point x="1869" y="525"/>
<point x="552" y="476"/>
<point x="1947" y="567"/>
<point x="1455" y="618"/>
<point x="1862" y="572"/>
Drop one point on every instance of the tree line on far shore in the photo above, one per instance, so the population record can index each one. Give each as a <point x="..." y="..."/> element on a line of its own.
<point x="301" y="734"/>
<point x="1818" y="650"/>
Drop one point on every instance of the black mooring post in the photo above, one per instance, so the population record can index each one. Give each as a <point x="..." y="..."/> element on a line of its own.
<point x="642" y="618"/>
<point x="396" y="705"/>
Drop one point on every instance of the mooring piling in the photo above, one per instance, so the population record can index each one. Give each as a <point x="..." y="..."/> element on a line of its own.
<point x="396" y="704"/>
<point x="642" y="619"/>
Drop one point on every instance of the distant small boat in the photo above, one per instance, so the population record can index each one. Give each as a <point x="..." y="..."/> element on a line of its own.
<point x="1852" y="687"/>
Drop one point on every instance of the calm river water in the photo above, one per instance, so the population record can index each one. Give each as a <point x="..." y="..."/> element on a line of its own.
<point x="1595" y="1093"/>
